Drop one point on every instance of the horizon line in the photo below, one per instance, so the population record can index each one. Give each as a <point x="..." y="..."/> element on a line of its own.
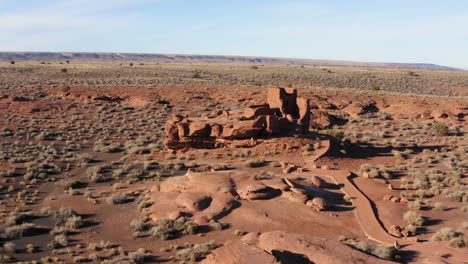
<point x="236" y="56"/>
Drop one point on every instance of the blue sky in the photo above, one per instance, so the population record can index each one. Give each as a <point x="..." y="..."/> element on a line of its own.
<point x="430" y="31"/>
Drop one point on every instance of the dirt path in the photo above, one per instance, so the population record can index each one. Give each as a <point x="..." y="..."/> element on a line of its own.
<point x="371" y="225"/>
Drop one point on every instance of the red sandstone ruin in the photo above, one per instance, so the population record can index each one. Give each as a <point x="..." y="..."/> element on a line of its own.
<point x="283" y="114"/>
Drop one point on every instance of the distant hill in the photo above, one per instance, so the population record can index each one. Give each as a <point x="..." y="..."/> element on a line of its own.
<point x="181" y="58"/>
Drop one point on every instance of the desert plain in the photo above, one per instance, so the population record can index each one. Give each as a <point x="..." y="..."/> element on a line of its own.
<point x="145" y="162"/>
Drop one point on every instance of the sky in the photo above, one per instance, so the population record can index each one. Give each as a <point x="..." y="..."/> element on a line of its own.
<point x="413" y="31"/>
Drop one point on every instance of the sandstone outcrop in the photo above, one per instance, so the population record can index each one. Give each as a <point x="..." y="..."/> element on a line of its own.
<point x="236" y="251"/>
<point x="283" y="114"/>
<point x="299" y="248"/>
<point x="213" y="195"/>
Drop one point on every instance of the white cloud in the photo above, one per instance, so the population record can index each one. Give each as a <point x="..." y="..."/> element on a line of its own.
<point x="63" y="21"/>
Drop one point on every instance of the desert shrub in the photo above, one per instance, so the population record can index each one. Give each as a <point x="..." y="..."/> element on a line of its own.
<point x="67" y="218"/>
<point x="102" y="146"/>
<point x="12" y="62"/>
<point x="455" y="239"/>
<point x="80" y="259"/>
<point x="119" y="198"/>
<point x="73" y="222"/>
<point x="215" y="225"/>
<point x="458" y="196"/>
<point x="59" y="241"/>
<point x="137" y="225"/>
<point x="59" y="230"/>
<point x="444" y="234"/>
<point x="242" y="154"/>
<point x="16" y="231"/>
<point x="238" y="232"/>
<point x="196" y="75"/>
<point x="415" y="205"/>
<point x="95" y="174"/>
<point x="376" y="172"/>
<point x="9" y="247"/>
<point x="440" y="129"/>
<point x="334" y="133"/>
<point x="384" y="252"/>
<point x="165" y="228"/>
<point x="375" y="88"/>
<point x="196" y="252"/>
<point x="413" y="218"/>
<point x="70" y="184"/>
<point x="380" y="250"/>
<point x="458" y="242"/>
<point x="162" y="232"/>
<point x="255" y="163"/>
<point x="137" y="256"/>
<point x="66" y="89"/>
<point x="438" y="206"/>
<point x="464" y="208"/>
<point x="30" y="248"/>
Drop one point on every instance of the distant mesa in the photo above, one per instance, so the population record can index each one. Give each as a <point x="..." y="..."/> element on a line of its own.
<point x="184" y="58"/>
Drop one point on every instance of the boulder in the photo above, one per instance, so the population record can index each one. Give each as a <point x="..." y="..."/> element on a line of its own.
<point x="194" y="201"/>
<point x="295" y="197"/>
<point x="174" y="215"/>
<point x="387" y="197"/>
<point x="395" y="230"/>
<point x="439" y="114"/>
<point x="319" y="203"/>
<point x="254" y="191"/>
<point x="317" y="181"/>
<point x="199" y="129"/>
<point x="404" y="200"/>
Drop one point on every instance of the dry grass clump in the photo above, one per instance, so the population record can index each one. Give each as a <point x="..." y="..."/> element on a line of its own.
<point x="165" y="228"/>
<point x="196" y="252"/>
<point x="376" y="171"/>
<point x="120" y="198"/>
<point x="440" y="129"/>
<point x="338" y="134"/>
<point x="413" y="218"/>
<point x="380" y="250"/>
<point x="255" y="163"/>
<point x="455" y="239"/>
<point x="106" y="147"/>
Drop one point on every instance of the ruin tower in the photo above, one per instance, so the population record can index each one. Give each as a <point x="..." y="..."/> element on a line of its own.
<point x="295" y="109"/>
